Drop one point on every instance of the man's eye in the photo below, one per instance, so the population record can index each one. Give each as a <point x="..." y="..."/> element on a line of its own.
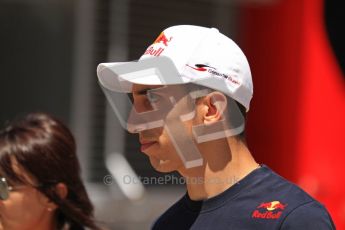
<point x="152" y="97"/>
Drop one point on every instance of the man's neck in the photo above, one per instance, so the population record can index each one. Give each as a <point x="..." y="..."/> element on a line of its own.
<point x="225" y="163"/>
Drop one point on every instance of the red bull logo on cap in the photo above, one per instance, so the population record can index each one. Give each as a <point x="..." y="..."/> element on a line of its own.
<point x="272" y="210"/>
<point x="161" y="39"/>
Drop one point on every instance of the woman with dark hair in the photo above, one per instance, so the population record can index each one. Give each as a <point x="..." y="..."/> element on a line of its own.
<point x="40" y="184"/>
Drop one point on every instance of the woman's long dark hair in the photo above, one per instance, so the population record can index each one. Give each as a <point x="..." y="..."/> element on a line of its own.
<point x="45" y="148"/>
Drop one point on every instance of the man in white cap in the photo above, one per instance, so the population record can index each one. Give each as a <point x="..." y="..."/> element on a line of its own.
<point x="190" y="92"/>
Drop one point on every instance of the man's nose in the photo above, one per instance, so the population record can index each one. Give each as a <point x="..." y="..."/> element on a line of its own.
<point x="132" y="121"/>
<point x="138" y="122"/>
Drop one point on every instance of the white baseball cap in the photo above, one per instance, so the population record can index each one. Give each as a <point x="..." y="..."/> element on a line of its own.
<point x="201" y="55"/>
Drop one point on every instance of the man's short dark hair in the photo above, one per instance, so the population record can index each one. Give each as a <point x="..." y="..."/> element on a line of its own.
<point x="242" y="136"/>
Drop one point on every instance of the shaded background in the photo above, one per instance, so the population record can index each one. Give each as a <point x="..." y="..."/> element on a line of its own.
<point x="50" y="50"/>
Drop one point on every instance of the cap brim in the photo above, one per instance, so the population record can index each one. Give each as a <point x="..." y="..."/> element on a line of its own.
<point x="120" y="76"/>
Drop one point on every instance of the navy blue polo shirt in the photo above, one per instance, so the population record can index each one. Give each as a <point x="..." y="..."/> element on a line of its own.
<point x="261" y="200"/>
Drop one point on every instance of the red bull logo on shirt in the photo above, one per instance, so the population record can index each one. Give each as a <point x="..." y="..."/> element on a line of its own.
<point x="272" y="210"/>
<point x="161" y="39"/>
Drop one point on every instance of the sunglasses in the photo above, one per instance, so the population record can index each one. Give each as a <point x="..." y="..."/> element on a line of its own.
<point x="5" y="189"/>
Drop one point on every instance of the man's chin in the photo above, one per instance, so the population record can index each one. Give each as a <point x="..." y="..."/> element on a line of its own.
<point x="164" y="166"/>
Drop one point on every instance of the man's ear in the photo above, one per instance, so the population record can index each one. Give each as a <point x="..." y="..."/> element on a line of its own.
<point x="216" y="103"/>
<point x="62" y="192"/>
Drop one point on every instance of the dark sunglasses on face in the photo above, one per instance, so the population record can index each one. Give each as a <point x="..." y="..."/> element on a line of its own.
<point x="5" y="189"/>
